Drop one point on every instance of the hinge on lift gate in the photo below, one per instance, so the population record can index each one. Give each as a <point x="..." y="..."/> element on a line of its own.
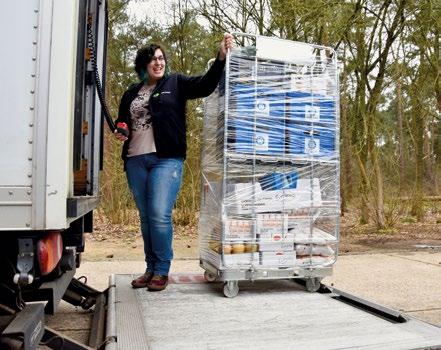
<point x="25" y="262"/>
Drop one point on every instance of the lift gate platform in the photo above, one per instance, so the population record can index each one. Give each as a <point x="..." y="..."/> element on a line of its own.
<point x="277" y="314"/>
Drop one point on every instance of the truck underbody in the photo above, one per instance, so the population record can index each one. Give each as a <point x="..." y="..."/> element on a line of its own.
<point x="26" y="295"/>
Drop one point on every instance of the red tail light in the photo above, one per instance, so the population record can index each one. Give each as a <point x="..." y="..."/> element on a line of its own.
<point x="49" y="250"/>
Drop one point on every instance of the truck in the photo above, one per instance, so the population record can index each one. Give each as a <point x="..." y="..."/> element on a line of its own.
<point x="51" y="156"/>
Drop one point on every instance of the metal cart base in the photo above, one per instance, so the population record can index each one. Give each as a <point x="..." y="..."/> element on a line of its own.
<point x="231" y="277"/>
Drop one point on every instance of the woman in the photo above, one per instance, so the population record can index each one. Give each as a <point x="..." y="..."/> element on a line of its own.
<point x="155" y="149"/>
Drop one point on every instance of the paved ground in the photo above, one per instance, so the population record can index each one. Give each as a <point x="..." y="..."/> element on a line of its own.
<point x="405" y="281"/>
<point x="409" y="282"/>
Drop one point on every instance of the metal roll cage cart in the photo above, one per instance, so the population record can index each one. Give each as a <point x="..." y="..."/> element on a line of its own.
<point x="298" y="84"/>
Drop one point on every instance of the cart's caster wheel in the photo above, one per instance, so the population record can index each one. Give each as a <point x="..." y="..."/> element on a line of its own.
<point x="231" y="289"/>
<point x="313" y="284"/>
<point x="209" y="277"/>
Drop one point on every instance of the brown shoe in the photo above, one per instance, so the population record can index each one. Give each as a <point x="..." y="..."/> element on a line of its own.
<point x="157" y="283"/>
<point x="143" y="280"/>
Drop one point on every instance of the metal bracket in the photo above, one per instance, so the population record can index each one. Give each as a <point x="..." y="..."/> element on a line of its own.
<point x="27" y="327"/>
<point x="25" y="262"/>
<point x="56" y="340"/>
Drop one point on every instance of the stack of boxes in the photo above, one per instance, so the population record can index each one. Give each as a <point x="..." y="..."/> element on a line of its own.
<point x="273" y="200"/>
<point x="276" y="246"/>
<point x="258" y="124"/>
<point x="310" y="125"/>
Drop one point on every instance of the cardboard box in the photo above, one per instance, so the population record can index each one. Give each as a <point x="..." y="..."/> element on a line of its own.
<point x="318" y="236"/>
<point x="272" y="232"/>
<point x="315" y="261"/>
<point x="256" y="124"/>
<point x="278" y="258"/>
<point x="246" y="198"/>
<point x="299" y="225"/>
<point x="235" y="230"/>
<point x="236" y="260"/>
<point x="276" y="246"/>
<point x="238" y="229"/>
<point x="271" y="227"/>
<point x="310" y="139"/>
<point x="229" y="260"/>
<point x="314" y="250"/>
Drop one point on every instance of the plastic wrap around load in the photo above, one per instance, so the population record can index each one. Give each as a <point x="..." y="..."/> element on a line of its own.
<point x="270" y="162"/>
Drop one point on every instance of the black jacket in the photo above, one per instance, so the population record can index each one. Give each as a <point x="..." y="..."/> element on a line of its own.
<point x="167" y="105"/>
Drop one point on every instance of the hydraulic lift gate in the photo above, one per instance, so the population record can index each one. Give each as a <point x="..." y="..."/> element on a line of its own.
<point x="192" y="314"/>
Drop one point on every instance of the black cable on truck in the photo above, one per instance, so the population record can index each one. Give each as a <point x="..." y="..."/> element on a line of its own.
<point x="99" y="89"/>
<point x="121" y="127"/>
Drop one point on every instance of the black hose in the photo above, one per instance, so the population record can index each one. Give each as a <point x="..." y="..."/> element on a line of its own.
<point x="99" y="90"/>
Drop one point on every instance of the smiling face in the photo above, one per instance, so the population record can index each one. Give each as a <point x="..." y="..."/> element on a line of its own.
<point x="156" y="67"/>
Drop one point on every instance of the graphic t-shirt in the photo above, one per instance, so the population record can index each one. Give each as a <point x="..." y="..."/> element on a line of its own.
<point x="142" y="141"/>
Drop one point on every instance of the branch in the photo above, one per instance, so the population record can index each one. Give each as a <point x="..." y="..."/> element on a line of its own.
<point x="396" y="29"/>
<point x="351" y="20"/>
<point x="384" y="8"/>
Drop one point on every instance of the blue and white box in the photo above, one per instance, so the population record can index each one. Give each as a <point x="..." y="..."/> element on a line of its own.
<point x="256" y="123"/>
<point x="308" y="107"/>
<point x="310" y="140"/>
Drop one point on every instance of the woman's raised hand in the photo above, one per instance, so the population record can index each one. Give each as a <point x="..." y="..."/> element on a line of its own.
<point x="226" y="44"/>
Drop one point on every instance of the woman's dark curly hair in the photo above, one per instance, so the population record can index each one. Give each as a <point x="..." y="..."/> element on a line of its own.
<point x="144" y="56"/>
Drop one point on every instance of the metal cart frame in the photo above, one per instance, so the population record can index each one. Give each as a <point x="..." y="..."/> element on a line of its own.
<point x="311" y="275"/>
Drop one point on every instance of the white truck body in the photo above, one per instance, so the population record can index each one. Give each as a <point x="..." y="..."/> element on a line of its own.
<point x="50" y="156"/>
<point x="38" y="71"/>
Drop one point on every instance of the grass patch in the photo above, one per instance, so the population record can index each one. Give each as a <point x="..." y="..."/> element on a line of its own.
<point x="408" y="220"/>
<point x="387" y="231"/>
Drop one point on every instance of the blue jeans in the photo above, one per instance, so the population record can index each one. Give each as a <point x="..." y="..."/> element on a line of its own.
<point x="155" y="184"/>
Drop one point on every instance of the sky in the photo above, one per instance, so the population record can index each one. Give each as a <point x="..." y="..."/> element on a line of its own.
<point x="154" y="9"/>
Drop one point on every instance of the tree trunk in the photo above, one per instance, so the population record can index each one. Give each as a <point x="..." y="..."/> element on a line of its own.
<point x="346" y="182"/>
<point x="429" y="159"/>
<point x="417" y="205"/>
<point x="400" y="115"/>
<point x="379" y="194"/>
<point x="364" y="181"/>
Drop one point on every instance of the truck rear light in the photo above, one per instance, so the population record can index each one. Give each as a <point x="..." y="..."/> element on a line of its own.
<point x="49" y="250"/>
